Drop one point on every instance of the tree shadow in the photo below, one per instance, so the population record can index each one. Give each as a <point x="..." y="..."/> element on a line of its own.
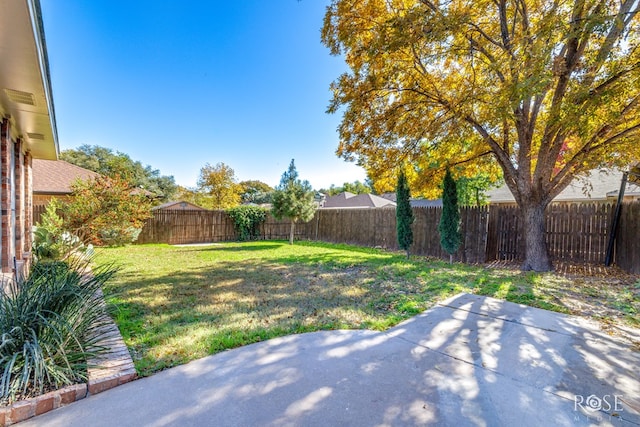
<point x="240" y="303"/>
<point x="240" y="247"/>
<point x="471" y="360"/>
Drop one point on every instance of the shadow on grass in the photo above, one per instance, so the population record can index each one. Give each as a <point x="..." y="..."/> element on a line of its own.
<point x="474" y="362"/>
<point x="239" y="247"/>
<point x="170" y="319"/>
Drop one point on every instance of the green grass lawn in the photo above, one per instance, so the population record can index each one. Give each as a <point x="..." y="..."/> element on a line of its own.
<point x="176" y="304"/>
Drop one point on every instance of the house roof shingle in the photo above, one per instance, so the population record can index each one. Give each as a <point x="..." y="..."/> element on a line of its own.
<point x="350" y="200"/>
<point x="179" y="205"/>
<point x="596" y="185"/>
<point x="56" y="176"/>
<point x="415" y="203"/>
<point x="425" y="203"/>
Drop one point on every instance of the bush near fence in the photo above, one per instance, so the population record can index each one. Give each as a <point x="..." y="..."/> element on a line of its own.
<point x="576" y="232"/>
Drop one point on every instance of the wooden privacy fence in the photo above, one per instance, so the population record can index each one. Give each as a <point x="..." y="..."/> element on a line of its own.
<point x="179" y="227"/>
<point x="627" y="254"/>
<point x="366" y="227"/>
<point x="377" y="228"/>
<point x="576" y="232"/>
<point x="38" y="210"/>
<point x="183" y="227"/>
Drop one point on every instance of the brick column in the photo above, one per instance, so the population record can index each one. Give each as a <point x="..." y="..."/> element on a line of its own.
<point x="19" y="189"/>
<point x="6" y="152"/>
<point x="28" y="207"/>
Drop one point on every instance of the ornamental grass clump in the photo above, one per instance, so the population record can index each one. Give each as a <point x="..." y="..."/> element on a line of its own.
<point x="49" y="326"/>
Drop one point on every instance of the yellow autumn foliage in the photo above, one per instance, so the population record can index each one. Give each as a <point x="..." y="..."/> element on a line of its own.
<point x="537" y="91"/>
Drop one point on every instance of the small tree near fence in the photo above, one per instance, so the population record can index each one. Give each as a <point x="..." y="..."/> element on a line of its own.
<point x="449" y="226"/>
<point x="293" y="199"/>
<point x="51" y="241"/>
<point x="404" y="214"/>
<point x="106" y="211"/>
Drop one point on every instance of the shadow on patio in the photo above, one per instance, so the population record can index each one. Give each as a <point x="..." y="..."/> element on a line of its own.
<point x="470" y="360"/>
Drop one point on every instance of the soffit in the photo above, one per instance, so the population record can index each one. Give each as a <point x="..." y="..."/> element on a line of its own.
<point x="25" y="92"/>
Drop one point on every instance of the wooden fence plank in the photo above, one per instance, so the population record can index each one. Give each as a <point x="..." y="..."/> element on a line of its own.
<point x="627" y="249"/>
<point x="575" y="232"/>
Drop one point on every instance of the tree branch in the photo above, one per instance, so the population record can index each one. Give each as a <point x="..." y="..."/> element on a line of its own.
<point x="501" y="155"/>
<point x="504" y="29"/>
<point x="620" y="23"/>
<point x="611" y="80"/>
<point x="589" y="150"/>
<point x="470" y="159"/>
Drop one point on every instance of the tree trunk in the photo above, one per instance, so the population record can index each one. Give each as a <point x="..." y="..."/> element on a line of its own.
<point x="536" y="255"/>
<point x="293" y="227"/>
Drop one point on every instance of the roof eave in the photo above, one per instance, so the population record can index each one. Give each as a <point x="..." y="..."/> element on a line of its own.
<point x="26" y="98"/>
<point x="43" y="60"/>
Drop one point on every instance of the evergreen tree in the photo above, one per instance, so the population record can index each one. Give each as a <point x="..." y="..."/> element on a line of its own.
<point x="449" y="227"/>
<point x="404" y="214"/>
<point x="293" y="199"/>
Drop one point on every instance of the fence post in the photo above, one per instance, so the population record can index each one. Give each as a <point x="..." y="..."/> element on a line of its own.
<point x="491" y="253"/>
<point x="627" y="246"/>
<point x="576" y="233"/>
<point x="616" y="218"/>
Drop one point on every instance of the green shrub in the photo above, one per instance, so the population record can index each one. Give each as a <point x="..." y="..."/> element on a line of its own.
<point x="52" y="242"/>
<point x="247" y="220"/>
<point x="118" y="236"/>
<point x="49" y="323"/>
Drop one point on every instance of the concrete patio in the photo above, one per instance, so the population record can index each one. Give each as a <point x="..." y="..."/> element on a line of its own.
<point x="470" y="360"/>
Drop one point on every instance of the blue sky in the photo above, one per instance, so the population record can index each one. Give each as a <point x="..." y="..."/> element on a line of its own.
<point x="177" y="84"/>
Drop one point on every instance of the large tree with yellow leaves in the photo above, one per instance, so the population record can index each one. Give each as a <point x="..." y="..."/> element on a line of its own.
<point x="218" y="187"/>
<point x="546" y="90"/>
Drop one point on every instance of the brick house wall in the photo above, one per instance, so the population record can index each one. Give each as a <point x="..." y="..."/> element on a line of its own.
<point x="15" y="202"/>
<point x="28" y="128"/>
<point x="19" y="198"/>
<point x="28" y="207"/>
